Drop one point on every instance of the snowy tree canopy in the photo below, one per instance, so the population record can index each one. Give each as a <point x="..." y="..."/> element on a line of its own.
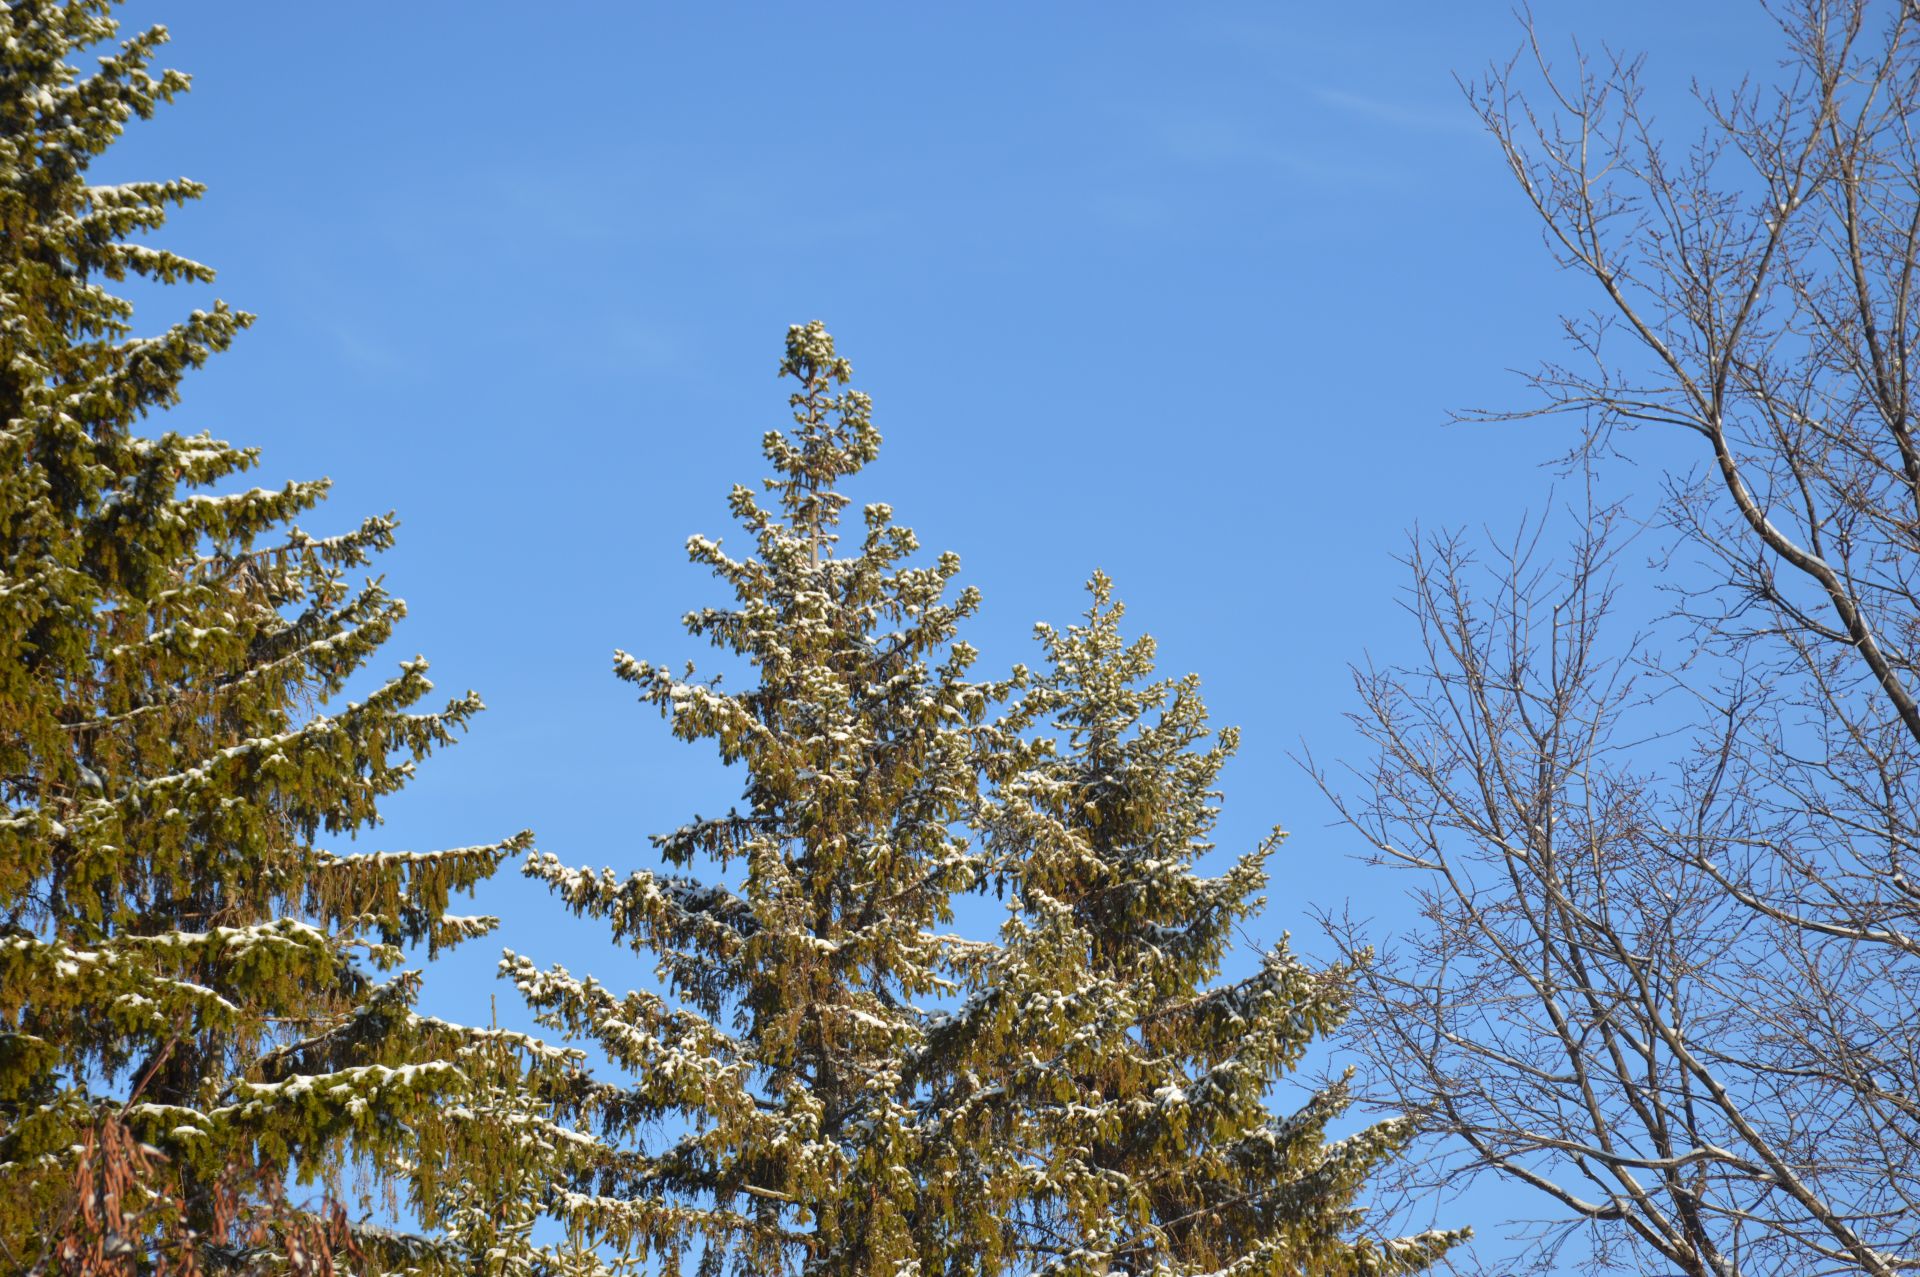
<point x="203" y="996"/>
<point x="830" y="1079"/>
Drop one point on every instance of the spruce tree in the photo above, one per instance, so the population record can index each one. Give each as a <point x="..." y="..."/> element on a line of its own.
<point x="779" y="1069"/>
<point x="201" y="1003"/>
<point x="1140" y="1082"/>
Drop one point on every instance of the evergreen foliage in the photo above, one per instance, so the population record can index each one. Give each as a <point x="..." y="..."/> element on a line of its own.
<point x="781" y="1055"/>
<point x="834" y="1083"/>
<point x="1141" y="1082"/>
<point x="199" y="1002"/>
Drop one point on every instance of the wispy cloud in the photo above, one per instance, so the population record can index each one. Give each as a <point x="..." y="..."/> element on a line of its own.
<point x="370" y="352"/>
<point x="1218" y="141"/>
<point x="1451" y="117"/>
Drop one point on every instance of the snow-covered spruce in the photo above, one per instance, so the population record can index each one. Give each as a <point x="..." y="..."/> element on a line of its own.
<point x="1134" y="1078"/>
<point x="198" y="1002"/>
<point x="777" y="1059"/>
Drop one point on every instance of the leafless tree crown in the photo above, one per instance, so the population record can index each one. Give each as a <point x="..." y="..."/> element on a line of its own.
<point x="1669" y="972"/>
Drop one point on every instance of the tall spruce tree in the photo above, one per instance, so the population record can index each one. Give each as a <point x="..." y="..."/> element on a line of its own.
<point x="1141" y="1082"/>
<point x="199" y="1003"/>
<point x="780" y="1064"/>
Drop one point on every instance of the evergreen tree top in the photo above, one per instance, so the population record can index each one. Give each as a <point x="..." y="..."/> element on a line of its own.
<point x="797" y="1001"/>
<point x="200" y="1005"/>
<point x="1144" y="1079"/>
<point x="834" y="435"/>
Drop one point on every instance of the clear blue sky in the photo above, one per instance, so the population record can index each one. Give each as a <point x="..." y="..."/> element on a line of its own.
<point x="1182" y="291"/>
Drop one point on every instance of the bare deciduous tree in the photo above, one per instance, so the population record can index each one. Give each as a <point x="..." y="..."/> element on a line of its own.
<point x="1670" y="969"/>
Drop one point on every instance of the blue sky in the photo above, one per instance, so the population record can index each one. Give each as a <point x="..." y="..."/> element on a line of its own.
<point x="1184" y="292"/>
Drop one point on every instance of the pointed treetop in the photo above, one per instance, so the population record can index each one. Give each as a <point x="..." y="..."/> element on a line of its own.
<point x="834" y="434"/>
